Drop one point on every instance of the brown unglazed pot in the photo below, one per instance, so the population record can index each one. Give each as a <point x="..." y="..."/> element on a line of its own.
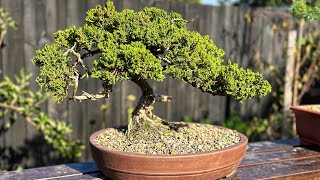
<point x="307" y="124"/>
<point x="209" y="165"/>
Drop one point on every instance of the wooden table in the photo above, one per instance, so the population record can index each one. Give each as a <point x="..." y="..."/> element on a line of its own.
<point x="282" y="159"/>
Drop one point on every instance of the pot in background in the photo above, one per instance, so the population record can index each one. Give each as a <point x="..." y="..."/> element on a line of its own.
<point x="307" y="124"/>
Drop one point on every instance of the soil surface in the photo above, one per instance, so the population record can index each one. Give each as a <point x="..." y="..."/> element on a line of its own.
<point x="313" y="108"/>
<point x="162" y="140"/>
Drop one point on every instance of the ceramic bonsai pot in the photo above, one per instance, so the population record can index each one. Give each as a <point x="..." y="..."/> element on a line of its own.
<point x="307" y="124"/>
<point x="209" y="165"/>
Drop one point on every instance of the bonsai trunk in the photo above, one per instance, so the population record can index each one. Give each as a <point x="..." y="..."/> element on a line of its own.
<point x="143" y="117"/>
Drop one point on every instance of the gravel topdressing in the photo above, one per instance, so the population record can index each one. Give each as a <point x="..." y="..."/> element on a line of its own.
<point x="189" y="139"/>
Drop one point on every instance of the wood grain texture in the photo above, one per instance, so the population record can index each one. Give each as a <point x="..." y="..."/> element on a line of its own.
<point x="13" y="60"/>
<point x="267" y="162"/>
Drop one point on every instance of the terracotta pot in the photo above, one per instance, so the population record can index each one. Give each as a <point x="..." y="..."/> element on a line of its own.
<point x="307" y="124"/>
<point x="133" y="166"/>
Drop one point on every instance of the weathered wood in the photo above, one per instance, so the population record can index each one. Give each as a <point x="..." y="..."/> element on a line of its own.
<point x="271" y="145"/>
<point x="51" y="172"/>
<point x="30" y="33"/>
<point x="13" y="61"/>
<point x="268" y="161"/>
<point x="288" y="86"/>
<point x="287" y="169"/>
<point x="281" y="155"/>
<point x="95" y="115"/>
<point x="78" y="111"/>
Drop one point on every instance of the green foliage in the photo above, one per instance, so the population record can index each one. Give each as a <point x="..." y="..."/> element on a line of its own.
<point x="16" y="99"/>
<point x="310" y="46"/>
<point x="51" y="61"/>
<point x="253" y="129"/>
<point x="144" y="45"/>
<point x="5" y="21"/>
<point x="307" y="9"/>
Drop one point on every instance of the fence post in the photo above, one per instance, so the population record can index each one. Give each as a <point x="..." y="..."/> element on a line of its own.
<point x="288" y="86"/>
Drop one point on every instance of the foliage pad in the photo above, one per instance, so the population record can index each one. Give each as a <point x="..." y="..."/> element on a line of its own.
<point x="144" y="45"/>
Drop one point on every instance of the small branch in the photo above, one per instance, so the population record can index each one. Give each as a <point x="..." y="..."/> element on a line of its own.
<point x="161" y="56"/>
<point x="162" y="98"/>
<point x="86" y="96"/>
<point x="175" y="20"/>
<point x="107" y="87"/>
<point x="29" y="120"/>
<point x="164" y="59"/>
<point x="10" y="107"/>
<point x="78" y="61"/>
<point x="304" y="59"/>
<point x="20" y="111"/>
<point x="90" y="53"/>
<point x="309" y="78"/>
<point x="76" y="83"/>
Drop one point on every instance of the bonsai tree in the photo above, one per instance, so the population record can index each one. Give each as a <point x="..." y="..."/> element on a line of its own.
<point x="137" y="47"/>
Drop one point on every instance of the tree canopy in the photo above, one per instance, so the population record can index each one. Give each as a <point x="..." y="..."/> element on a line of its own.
<point x="138" y="46"/>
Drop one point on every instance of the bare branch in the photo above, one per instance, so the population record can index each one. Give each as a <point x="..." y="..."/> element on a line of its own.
<point x="310" y="79"/>
<point x="90" y="53"/>
<point x="175" y="20"/>
<point x="75" y="79"/>
<point x="78" y="61"/>
<point x="20" y="111"/>
<point x="161" y="56"/>
<point x="162" y="98"/>
<point x="107" y="87"/>
<point x="165" y="59"/>
<point x="88" y="96"/>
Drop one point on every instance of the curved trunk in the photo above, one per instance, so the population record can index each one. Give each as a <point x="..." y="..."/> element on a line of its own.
<point x="142" y="116"/>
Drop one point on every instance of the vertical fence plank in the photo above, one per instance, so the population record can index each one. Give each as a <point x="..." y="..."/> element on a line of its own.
<point x="78" y="110"/>
<point x="288" y="86"/>
<point x="177" y="87"/>
<point x="2" y="138"/>
<point x="13" y="61"/>
<point x="30" y="45"/>
<point x="96" y="116"/>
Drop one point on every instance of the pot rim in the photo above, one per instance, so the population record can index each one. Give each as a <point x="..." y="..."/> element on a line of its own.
<point x="93" y="142"/>
<point x="302" y="108"/>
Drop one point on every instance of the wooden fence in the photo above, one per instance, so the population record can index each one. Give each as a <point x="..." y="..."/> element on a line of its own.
<point x="245" y="34"/>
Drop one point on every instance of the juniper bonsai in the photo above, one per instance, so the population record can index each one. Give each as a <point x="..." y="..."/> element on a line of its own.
<point x="140" y="46"/>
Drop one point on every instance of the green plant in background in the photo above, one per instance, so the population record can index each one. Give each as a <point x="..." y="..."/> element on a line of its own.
<point x="16" y="99"/>
<point x="253" y="129"/>
<point x="306" y="60"/>
<point x="307" y="9"/>
<point x="5" y="22"/>
<point x="190" y="119"/>
<point x="257" y="128"/>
